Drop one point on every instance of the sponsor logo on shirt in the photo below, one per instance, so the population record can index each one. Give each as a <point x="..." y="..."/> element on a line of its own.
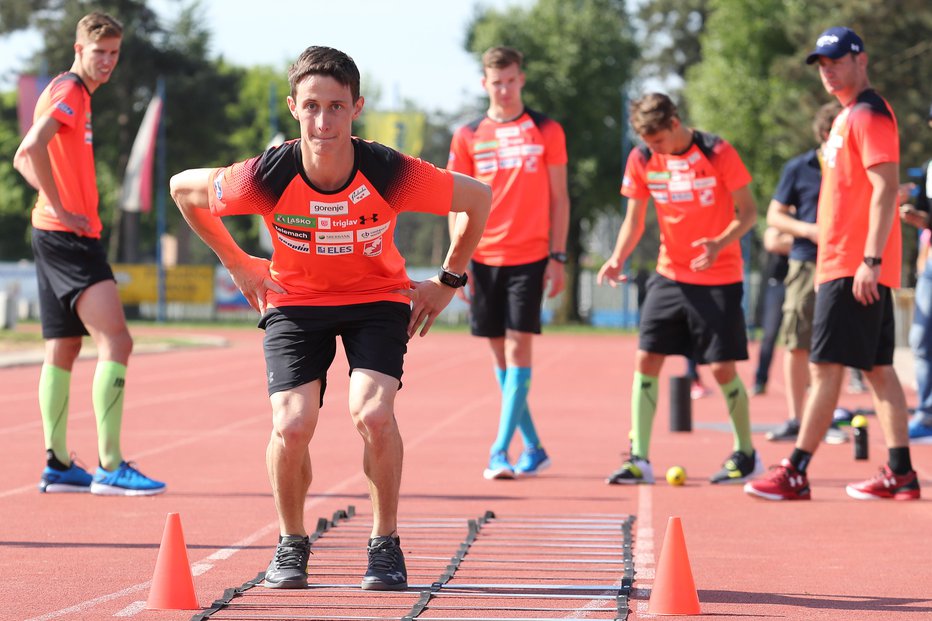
<point x="654" y="175"/>
<point x="509" y="151"/>
<point x="343" y="237"/>
<point x="294" y="244"/>
<point x="677" y="164"/>
<point x="528" y="124"/>
<point x="484" y="155"/>
<point x="292" y="233"/>
<point x="507" y="132"/>
<point x="532" y="149"/>
<point x="484" y="168"/>
<point x="372" y="248"/>
<point x="681" y="186"/>
<point x="330" y="250"/>
<point x="626" y="182"/>
<point x="359" y="193"/>
<point x="656" y="186"/>
<point x="511" y="162"/>
<point x="366" y="234"/>
<point x="329" y="209"/>
<point x="322" y="223"/>
<point x="65" y="108"/>
<point x="218" y="187"/>
<point x="89" y="137"/>
<point x="681" y="197"/>
<point x="485" y="146"/>
<point x="693" y="157"/>
<point x="705" y="182"/>
<point x="660" y="197"/>
<point x="706" y="197"/>
<point x="300" y="221"/>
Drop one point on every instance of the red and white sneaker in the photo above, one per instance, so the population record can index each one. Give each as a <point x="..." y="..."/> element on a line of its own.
<point x="886" y="485"/>
<point x="783" y="482"/>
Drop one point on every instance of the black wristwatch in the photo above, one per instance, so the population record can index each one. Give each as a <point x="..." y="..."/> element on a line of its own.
<point x="559" y="257"/>
<point x="872" y="261"/>
<point x="451" y="279"/>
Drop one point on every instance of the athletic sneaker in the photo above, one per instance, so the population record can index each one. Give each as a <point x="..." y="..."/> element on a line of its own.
<point x="783" y="482"/>
<point x="697" y="390"/>
<point x="74" y="479"/>
<point x="738" y="468"/>
<point x="886" y="485"/>
<point x="633" y="471"/>
<point x="786" y="432"/>
<point x="499" y="467"/>
<point x="288" y="569"/>
<point x="124" y="481"/>
<point x="532" y="461"/>
<point x="386" y="571"/>
<point x="920" y="428"/>
<point x="835" y="435"/>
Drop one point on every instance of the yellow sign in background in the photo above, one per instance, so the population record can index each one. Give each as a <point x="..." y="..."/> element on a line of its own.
<point x="402" y="131"/>
<point x="138" y="284"/>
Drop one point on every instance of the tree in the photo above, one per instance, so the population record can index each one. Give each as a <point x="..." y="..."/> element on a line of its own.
<point x="754" y="87"/>
<point x="669" y="32"/>
<point x="578" y="58"/>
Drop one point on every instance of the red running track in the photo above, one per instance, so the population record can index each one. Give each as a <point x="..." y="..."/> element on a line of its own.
<point x="198" y="418"/>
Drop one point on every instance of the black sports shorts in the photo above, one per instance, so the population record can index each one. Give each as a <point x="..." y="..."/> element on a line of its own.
<point x="844" y="331"/>
<point x="703" y="322"/>
<point x="506" y="297"/>
<point x="66" y="265"/>
<point x="300" y="341"/>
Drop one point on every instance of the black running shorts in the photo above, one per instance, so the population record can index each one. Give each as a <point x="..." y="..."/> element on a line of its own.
<point x="300" y="341"/>
<point x="506" y="297"/>
<point x="66" y="265"/>
<point x="703" y="322"/>
<point x="844" y="331"/>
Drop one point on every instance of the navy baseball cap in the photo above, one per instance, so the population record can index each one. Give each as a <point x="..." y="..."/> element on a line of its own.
<point x="835" y="43"/>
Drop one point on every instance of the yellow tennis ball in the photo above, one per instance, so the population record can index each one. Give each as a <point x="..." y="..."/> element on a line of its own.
<point x="859" y="421"/>
<point x="676" y="475"/>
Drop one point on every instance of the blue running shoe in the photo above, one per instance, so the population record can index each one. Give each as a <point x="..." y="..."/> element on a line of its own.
<point x="74" y="479"/>
<point x="920" y="428"/>
<point x="124" y="481"/>
<point x="499" y="468"/>
<point x="532" y="461"/>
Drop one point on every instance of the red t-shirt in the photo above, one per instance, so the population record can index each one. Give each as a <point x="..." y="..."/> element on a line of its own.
<point x="71" y="150"/>
<point x="864" y="134"/>
<point x="692" y="193"/>
<point x="333" y="248"/>
<point x="512" y="158"/>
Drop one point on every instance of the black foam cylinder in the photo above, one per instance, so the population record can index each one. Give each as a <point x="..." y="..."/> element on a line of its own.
<point x="681" y="413"/>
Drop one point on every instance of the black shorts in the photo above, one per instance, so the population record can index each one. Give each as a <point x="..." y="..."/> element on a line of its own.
<point x="66" y="265"/>
<point x="703" y="322"/>
<point x="844" y="331"/>
<point x="506" y="297"/>
<point x="300" y="341"/>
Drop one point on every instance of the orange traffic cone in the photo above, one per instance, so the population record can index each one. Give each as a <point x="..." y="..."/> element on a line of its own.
<point x="172" y="584"/>
<point x="674" y="592"/>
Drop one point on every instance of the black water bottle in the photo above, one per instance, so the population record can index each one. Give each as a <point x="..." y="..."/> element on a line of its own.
<point x="859" y="428"/>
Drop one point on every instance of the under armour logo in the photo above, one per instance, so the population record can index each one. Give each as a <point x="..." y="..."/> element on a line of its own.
<point x="271" y="373"/>
<point x="396" y="575"/>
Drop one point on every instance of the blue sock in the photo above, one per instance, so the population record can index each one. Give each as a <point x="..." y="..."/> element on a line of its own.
<point x="515" y="385"/>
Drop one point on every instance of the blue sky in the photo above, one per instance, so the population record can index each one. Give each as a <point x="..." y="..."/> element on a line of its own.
<point x="413" y="49"/>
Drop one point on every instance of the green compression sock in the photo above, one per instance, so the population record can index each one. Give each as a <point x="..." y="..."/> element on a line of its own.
<point x="740" y="413"/>
<point x="109" y="379"/>
<point x="54" y="388"/>
<point x="643" y="409"/>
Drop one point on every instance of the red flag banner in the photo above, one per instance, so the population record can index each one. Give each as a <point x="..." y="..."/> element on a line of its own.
<point x="137" y="181"/>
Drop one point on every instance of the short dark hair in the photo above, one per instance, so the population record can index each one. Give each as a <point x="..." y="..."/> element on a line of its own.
<point x="96" y="26"/>
<point x="825" y="116"/>
<point x="500" y="57"/>
<point x="652" y="113"/>
<point x="319" y="60"/>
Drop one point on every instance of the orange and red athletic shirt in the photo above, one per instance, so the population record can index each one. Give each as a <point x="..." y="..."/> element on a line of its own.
<point x="333" y="248"/>
<point x="512" y="158"/>
<point x="67" y="100"/>
<point x="692" y="193"/>
<point x="864" y="134"/>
